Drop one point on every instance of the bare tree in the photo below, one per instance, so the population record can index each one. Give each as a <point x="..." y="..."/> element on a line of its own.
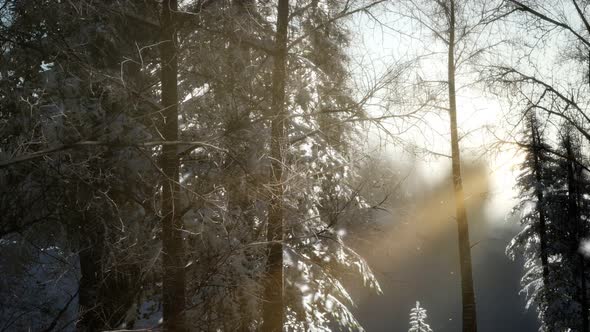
<point x="467" y="289"/>
<point x="456" y="26"/>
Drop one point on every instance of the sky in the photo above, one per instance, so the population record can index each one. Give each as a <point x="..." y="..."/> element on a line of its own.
<point x="376" y="46"/>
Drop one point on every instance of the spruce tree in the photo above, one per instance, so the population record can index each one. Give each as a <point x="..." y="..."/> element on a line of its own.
<point x="566" y="207"/>
<point x="418" y="319"/>
<point x="66" y="57"/>
<point x="227" y="96"/>
<point x="551" y="186"/>
<point x="140" y="189"/>
<point x="533" y="242"/>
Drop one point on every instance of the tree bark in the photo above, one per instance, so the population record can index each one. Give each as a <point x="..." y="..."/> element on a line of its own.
<point x="467" y="289"/>
<point x="273" y="307"/>
<point x="173" y="288"/>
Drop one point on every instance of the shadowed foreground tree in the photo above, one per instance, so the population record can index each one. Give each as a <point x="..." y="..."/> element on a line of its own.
<point x="167" y="171"/>
<point x="173" y="286"/>
<point x="65" y="61"/>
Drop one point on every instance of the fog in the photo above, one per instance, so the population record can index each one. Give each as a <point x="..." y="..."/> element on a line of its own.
<point x="413" y="251"/>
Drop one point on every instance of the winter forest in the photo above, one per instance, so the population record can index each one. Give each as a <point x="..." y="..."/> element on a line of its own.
<point x="295" y="165"/>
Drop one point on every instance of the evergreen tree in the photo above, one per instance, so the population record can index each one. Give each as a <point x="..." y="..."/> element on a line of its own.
<point x="418" y="319"/>
<point x="234" y="103"/>
<point x="551" y="186"/>
<point x="533" y="242"/>
<point x="84" y="199"/>
<point x="567" y="209"/>
<point x="113" y="174"/>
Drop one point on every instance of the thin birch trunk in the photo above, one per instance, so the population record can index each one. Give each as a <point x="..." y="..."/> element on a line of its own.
<point x="467" y="289"/>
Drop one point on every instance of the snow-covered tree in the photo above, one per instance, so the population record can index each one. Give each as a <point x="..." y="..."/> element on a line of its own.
<point x="553" y="210"/>
<point x="567" y="207"/>
<point x="228" y="96"/>
<point x="533" y="241"/>
<point x="418" y="319"/>
<point x="79" y="192"/>
<point x="83" y="141"/>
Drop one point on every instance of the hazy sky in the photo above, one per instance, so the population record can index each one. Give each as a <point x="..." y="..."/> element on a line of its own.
<point x="482" y="117"/>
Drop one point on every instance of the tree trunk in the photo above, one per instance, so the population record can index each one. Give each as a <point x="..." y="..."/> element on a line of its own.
<point x="172" y="247"/>
<point x="273" y="307"/>
<point x="467" y="290"/>
<point x="90" y="256"/>
<point x="103" y="297"/>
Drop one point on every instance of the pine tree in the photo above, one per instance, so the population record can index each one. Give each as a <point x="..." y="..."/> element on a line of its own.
<point x="418" y="319"/>
<point x="138" y="192"/>
<point x="66" y="58"/>
<point x="551" y="186"/>
<point x="235" y="105"/>
<point x="533" y="242"/>
<point x="567" y="209"/>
